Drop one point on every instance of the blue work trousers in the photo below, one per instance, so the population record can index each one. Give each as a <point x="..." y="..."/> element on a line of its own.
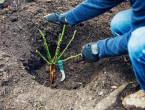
<point x="134" y="44"/>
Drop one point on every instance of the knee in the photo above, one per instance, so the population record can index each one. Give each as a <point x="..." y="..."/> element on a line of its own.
<point x="136" y="44"/>
<point x="121" y="23"/>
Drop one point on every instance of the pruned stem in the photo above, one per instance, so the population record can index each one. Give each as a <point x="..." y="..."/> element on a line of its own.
<point x="63" y="30"/>
<point x="43" y="57"/>
<point x="55" y="59"/>
<point x="46" y="46"/>
<point x="72" y="57"/>
<point x="67" y="45"/>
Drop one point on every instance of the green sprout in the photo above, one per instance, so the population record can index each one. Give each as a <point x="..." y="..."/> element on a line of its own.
<point x="53" y="61"/>
<point x="34" y="77"/>
<point x="41" y="103"/>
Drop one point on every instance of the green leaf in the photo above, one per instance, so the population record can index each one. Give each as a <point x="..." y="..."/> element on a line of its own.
<point x="128" y="64"/>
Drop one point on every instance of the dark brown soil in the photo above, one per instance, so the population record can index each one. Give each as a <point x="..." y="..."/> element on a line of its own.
<point x="24" y="76"/>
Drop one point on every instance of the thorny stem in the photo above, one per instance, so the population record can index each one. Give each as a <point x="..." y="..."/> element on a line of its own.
<point x="57" y="50"/>
<point x="72" y="57"/>
<point x="55" y="59"/>
<point x="63" y="30"/>
<point x="46" y="46"/>
<point x="67" y="45"/>
<point x="43" y="57"/>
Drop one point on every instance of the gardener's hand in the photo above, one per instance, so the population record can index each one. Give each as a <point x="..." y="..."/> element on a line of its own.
<point x="90" y="52"/>
<point x="56" y="18"/>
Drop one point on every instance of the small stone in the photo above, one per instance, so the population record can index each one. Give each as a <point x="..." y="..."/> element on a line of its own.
<point x="101" y="93"/>
<point x="135" y="101"/>
<point x="48" y="1"/>
<point x="1" y="73"/>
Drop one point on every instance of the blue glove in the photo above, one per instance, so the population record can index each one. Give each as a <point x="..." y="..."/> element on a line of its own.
<point x="56" y="18"/>
<point x="90" y="52"/>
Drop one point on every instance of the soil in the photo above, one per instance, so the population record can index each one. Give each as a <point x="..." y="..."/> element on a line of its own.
<point x="24" y="76"/>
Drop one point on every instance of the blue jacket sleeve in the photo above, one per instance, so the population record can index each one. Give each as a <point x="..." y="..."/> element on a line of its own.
<point x="113" y="46"/>
<point x="89" y="9"/>
<point x="119" y="45"/>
